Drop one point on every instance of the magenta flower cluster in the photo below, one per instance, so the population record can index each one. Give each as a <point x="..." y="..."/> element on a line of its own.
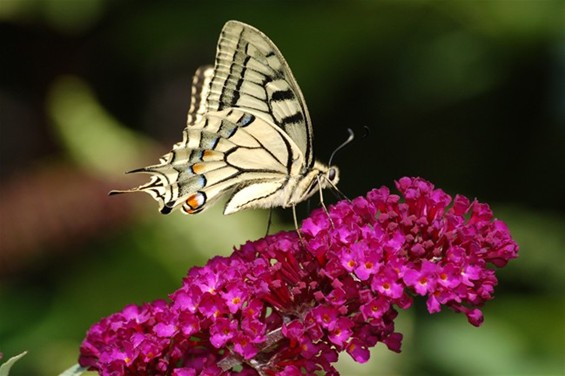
<point x="285" y="305"/>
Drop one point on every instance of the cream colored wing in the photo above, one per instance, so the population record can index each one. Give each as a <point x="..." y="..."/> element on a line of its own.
<point x="199" y="94"/>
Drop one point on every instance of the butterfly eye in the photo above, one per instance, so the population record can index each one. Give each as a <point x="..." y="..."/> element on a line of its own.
<point x="332" y="174"/>
<point x="194" y="203"/>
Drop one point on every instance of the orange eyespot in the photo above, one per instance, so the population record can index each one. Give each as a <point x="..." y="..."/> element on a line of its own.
<point x="194" y="203"/>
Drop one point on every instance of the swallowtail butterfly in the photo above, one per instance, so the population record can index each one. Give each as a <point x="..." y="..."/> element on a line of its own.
<point x="248" y="135"/>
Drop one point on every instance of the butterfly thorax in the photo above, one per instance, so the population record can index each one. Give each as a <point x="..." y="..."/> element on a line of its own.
<point x="303" y="186"/>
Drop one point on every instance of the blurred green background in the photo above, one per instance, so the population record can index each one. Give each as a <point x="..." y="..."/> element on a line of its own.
<point x="467" y="94"/>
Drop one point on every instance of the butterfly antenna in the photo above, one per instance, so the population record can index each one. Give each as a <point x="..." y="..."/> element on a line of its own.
<point x="367" y="131"/>
<point x="344" y="144"/>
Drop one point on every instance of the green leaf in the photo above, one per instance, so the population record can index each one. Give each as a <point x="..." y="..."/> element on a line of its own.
<point x="90" y="134"/>
<point x="73" y="371"/>
<point x="5" y="368"/>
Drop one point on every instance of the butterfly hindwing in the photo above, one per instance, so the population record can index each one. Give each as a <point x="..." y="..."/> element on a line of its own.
<point x="226" y="151"/>
<point x="199" y="94"/>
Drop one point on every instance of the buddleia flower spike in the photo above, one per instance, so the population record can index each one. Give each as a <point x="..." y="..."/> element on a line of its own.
<point x="279" y="306"/>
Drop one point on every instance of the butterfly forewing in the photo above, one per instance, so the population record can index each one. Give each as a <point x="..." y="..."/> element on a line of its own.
<point x="251" y="73"/>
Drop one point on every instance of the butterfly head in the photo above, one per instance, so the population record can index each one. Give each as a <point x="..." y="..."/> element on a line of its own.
<point x="327" y="176"/>
<point x="332" y="175"/>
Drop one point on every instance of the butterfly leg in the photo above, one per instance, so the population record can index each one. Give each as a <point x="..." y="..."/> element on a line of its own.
<point x="336" y="191"/>
<point x="323" y="204"/>
<point x="269" y="221"/>
<point x="296" y="224"/>
<point x="340" y="193"/>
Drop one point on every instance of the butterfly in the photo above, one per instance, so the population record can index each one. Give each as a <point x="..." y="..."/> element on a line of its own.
<point x="248" y="135"/>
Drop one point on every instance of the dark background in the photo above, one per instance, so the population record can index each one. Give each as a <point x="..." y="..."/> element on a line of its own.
<point x="468" y="94"/>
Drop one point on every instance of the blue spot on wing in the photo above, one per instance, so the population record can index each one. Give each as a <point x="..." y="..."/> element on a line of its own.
<point x="246" y="120"/>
